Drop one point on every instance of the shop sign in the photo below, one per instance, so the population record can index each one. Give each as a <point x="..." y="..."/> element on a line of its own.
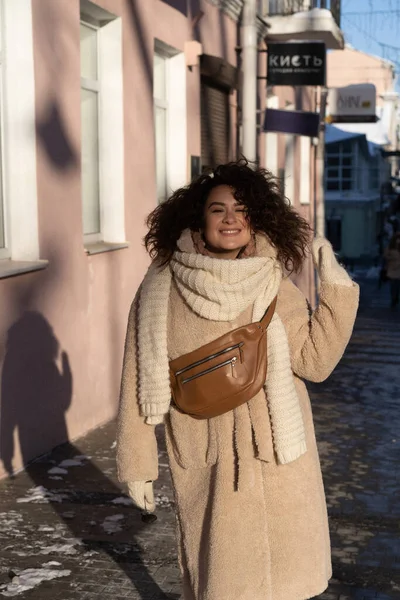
<point x="296" y="63"/>
<point x="295" y="122"/>
<point x="352" y="104"/>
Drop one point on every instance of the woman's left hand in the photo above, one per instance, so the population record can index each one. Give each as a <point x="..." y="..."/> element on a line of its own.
<point x="329" y="270"/>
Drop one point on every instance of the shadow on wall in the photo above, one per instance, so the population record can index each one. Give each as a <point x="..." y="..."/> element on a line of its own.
<point x="36" y="392"/>
<point x="146" y="53"/>
<point x="56" y="37"/>
<point x="54" y="138"/>
<point x="180" y="5"/>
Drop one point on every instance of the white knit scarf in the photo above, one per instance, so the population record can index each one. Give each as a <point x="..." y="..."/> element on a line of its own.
<point x="219" y="290"/>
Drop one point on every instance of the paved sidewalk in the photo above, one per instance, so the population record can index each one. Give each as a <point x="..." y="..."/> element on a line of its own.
<point x="68" y="532"/>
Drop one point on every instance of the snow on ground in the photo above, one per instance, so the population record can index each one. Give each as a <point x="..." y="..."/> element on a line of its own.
<point x="57" y="471"/>
<point x="30" y="578"/>
<point x="122" y="500"/>
<point x="45" y="528"/>
<point x="112" y="524"/>
<point x="9" y="521"/>
<point x="162" y="500"/>
<point x="41" y="495"/>
<point x="77" y="461"/>
<point x="67" y="546"/>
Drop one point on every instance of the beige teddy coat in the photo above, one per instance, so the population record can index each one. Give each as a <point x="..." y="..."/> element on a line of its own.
<point x="247" y="528"/>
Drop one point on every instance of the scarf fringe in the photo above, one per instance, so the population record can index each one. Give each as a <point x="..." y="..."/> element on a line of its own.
<point x="291" y="454"/>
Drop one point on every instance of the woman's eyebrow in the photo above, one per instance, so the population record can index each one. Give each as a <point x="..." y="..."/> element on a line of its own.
<point x="216" y="203"/>
<point x="224" y="204"/>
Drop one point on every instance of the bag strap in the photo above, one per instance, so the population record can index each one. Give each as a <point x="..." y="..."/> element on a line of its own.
<point x="266" y="320"/>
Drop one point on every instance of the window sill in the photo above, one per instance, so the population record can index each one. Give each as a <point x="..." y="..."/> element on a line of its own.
<point x="100" y="247"/>
<point x="12" y="268"/>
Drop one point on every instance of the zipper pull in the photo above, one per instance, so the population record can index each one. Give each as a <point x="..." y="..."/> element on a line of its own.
<point x="233" y="365"/>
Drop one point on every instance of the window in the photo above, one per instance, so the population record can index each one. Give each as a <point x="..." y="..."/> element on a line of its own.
<point x="170" y="129"/>
<point x="160" y="124"/>
<point x="102" y="131"/>
<point x="90" y="131"/>
<point x="339" y="167"/>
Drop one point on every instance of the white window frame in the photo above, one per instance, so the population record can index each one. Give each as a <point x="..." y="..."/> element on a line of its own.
<point x="177" y="164"/>
<point x="18" y="133"/>
<point x="109" y="87"/>
<point x="162" y="103"/>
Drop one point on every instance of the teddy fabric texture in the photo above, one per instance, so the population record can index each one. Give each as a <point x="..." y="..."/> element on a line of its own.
<point x="248" y="527"/>
<point x="219" y="290"/>
<point x="329" y="270"/>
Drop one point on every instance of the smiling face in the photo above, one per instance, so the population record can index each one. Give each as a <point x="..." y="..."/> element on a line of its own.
<point x="226" y="228"/>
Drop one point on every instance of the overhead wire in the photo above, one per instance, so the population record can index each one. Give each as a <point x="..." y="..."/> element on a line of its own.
<point x="388" y="51"/>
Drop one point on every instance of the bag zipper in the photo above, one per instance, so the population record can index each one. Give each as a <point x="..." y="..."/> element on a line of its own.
<point x="207" y="358"/>
<point x="231" y="361"/>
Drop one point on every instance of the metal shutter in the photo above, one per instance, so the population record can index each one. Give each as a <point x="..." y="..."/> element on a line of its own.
<point x="215" y="124"/>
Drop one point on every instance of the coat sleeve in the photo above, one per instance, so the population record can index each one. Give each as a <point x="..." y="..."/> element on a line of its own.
<point x="317" y="339"/>
<point x="137" y="456"/>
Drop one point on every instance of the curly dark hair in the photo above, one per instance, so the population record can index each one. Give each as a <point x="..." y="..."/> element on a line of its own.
<point x="258" y="190"/>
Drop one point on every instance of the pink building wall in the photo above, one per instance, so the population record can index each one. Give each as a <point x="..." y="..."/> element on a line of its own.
<point x="350" y="66"/>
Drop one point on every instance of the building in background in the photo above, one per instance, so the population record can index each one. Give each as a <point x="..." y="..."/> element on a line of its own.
<point x="351" y="66"/>
<point x="293" y="157"/>
<point x="355" y="169"/>
<point x="360" y="158"/>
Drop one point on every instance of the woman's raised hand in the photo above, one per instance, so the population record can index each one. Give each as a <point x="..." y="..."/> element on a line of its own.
<point x="329" y="270"/>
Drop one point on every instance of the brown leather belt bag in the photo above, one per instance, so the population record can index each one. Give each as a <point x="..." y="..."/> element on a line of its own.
<point x="223" y="374"/>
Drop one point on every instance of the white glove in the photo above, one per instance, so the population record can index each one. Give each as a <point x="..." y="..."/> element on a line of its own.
<point x="142" y="494"/>
<point x="325" y="262"/>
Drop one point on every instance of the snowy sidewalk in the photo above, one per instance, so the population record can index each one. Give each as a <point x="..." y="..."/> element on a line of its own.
<point x="67" y="531"/>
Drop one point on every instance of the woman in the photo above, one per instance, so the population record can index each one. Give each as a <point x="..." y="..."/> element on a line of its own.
<point x="392" y="264"/>
<point x="251" y="513"/>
